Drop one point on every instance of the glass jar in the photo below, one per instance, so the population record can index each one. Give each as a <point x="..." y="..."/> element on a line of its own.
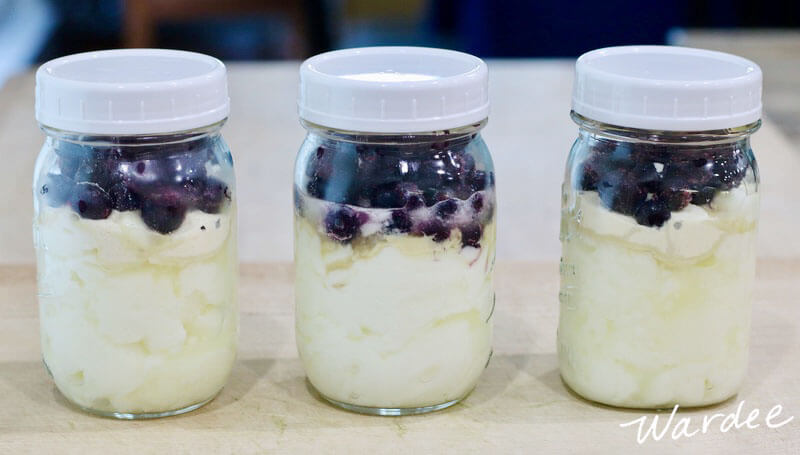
<point x="135" y="232"/>
<point x="394" y="237"/>
<point x="658" y="228"/>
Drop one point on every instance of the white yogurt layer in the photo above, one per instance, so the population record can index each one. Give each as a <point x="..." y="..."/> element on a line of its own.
<point x="393" y="321"/>
<point x="652" y="317"/>
<point x="134" y="321"/>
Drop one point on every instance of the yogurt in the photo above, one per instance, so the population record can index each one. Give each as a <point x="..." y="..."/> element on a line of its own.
<point x="132" y="320"/>
<point x="651" y="317"/>
<point x="368" y="314"/>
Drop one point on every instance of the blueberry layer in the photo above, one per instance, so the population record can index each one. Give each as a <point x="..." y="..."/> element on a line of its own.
<point x="421" y="189"/>
<point x="649" y="182"/>
<point x="385" y="176"/>
<point x="345" y="223"/>
<point x="163" y="182"/>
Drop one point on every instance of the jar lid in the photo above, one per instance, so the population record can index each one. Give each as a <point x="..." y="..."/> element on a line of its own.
<point x="131" y="91"/>
<point x="393" y="89"/>
<point x="667" y="88"/>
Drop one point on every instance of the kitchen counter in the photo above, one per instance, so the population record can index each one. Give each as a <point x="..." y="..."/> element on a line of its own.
<point x="520" y="404"/>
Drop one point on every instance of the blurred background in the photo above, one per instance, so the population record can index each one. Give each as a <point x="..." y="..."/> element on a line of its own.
<point x="36" y="30"/>
<point x="33" y="31"/>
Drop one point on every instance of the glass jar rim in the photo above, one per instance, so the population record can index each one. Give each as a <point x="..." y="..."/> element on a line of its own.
<point x="394" y="138"/>
<point x="629" y="134"/>
<point x="132" y="140"/>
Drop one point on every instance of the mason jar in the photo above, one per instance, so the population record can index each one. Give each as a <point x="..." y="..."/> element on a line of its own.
<point x="135" y="231"/>
<point x="659" y="215"/>
<point x="394" y="228"/>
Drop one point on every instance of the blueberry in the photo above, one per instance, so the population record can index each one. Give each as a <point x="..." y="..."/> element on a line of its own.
<point x="429" y="196"/>
<point x="477" y="180"/>
<point x="176" y="170"/>
<point x="213" y="195"/>
<point x="477" y="202"/>
<point x="623" y="156"/>
<point x="729" y="170"/>
<point x="434" y="196"/>
<point x="387" y="195"/>
<point x="362" y="218"/>
<point x="142" y="174"/>
<point x="392" y="195"/>
<point x="589" y="175"/>
<point x="165" y="194"/>
<point x="676" y="199"/>
<point x="454" y="181"/>
<point x="471" y="235"/>
<point x="658" y="152"/>
<point x="694" y="173"/>
<point x="410" y="190"/>
<point x="415" y="201"/>
<point x="430" y="174"/>
<point x="647" y="177"/>
<point x="165" y="213"/>
<point x="379" y="186"/>
<point x="701" y="168"/>
<point x="123" y="198"/>
<point x="602" y="146"/>
<point x="620" y="192"/>
<point x="342" y="223"/>
<point x="653" y="212"/>
<point x="446" y="209"/>
<point x="685" y="175"/>
<point x="435" y="228"/>
<point x="90" y="201"/>
<point x="400" y="221"/>
<point x="192" y="189"/>
<point x="703" y="195"/>
<point x="94" y="171"/>
<point x="56" y="189"/>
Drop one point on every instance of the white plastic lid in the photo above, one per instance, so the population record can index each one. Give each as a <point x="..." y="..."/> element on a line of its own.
<point x="667" y="88"/>
<point x="131" y="91"/>
<point x="393" y="89"/>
